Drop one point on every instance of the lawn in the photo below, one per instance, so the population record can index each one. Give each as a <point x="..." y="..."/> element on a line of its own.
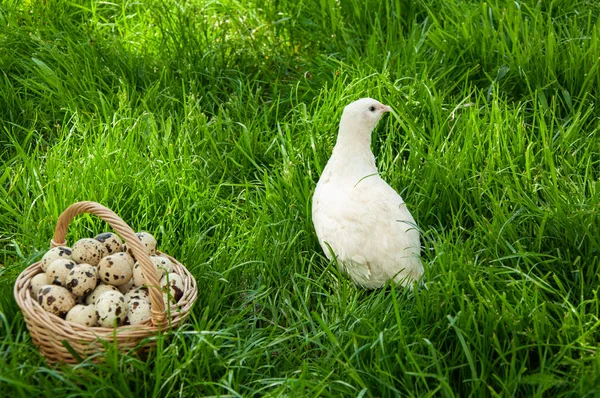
<point x="208" y="123"/>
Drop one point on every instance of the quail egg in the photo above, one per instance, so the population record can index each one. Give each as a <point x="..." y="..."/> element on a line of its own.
<point x="175" y="290"/>
<point x="54" y="254"/>
<point x="148" y="242"/>
<point x="82" y="279"/>
<point x="58" y="271"/>
<point x="138" y="274"/>
<point x="112" y="242"/>
<point x="137" y="293"/>
<point x="83" y="314"/>
<point x="111" y="309"/>
<point x="89" y="251"/>
<point x="126" y="287"/>
<point x="38" y="281"/>
<point x="162" y="262"/>
<point x="138" y="310"/>
<point x="55" y="299"/>
<point x="116" y="269"/>
<point x="101" y="288"/>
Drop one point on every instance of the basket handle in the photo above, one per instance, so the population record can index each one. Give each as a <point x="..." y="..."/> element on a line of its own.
<point x="159" y="315"/>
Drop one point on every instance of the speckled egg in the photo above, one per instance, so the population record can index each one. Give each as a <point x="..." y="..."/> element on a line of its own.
<point x="55" y="299"/>
<point x="138" y="310"/>
<point x="82" y="279"/>
<point x="162" y="262"/>
<point x="54" y="254"/>
<point x="126" y="287"/>
<point x="38" y="281"/>
<point x="83" y="315"/>
<point x="138" y="274"/>
<point x="175" y="287"/>
<point x="58" y="271"/>
<point x="101" y="288"/>
<point x="89" y="251"/>
<point x="148" y="242"/>
<point x="116" y="269"/>
<point x="111" y="309"/>
<point x="137" y="293"/>
<point x="113" y="243"/>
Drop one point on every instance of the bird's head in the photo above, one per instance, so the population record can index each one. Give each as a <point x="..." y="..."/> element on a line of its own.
<point x="364" y="113"/>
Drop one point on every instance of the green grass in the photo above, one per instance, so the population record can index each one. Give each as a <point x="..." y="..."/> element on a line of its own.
<point x="208" y="124"/>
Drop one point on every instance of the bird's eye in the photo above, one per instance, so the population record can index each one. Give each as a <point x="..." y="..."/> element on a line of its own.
<point x="372" y="108"/>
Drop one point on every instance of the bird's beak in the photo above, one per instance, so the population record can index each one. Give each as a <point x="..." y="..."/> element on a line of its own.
<point x="386" y="109"/>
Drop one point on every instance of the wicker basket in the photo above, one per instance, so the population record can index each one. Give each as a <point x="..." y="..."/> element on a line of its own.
<point x="68" y="342"/>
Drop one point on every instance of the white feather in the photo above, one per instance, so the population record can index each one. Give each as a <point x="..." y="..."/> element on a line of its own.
<point x="357" y="215"/>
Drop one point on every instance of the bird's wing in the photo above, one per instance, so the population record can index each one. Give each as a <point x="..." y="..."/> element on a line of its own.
<point x="368" y="225"/>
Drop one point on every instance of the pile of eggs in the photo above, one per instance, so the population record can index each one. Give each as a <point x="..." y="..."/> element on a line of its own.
<point x="98" y="282"/>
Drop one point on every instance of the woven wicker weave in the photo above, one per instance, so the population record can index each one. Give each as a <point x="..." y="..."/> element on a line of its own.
<point x="53" y="334"/>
